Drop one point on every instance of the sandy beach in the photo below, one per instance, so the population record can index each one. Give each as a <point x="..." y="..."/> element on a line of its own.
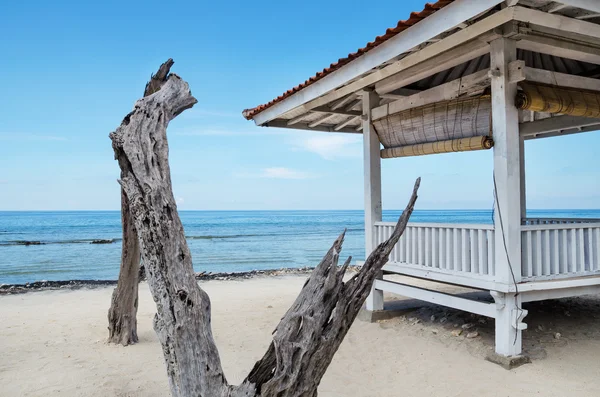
<point x="52" y="344"/>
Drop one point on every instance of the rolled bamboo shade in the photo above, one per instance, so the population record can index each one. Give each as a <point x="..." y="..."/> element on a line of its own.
<point x="453" y="145"/>
<point x="554" y="99"/>
<point x="441" y="121"/>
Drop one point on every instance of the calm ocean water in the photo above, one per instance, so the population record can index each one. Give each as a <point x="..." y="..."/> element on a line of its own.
<point x="220" y="241"/>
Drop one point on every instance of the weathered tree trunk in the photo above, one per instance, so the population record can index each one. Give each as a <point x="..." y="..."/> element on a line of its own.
<point x="310" y="332"/>
<point x="122" y="315"/>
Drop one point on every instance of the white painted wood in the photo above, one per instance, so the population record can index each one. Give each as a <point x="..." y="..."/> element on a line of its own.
<point x="482" y="226"/>
<point x="466" y="256"/>
<point x="519" y="72"/>
<point x="298" y="119"/>
<point x="440" y="298"/>
<point x="556" y="7"/>
<point x="581" y="250"/>
<point x="554" y="21"/>
<point x="541" y="127"/>
<point x="588" y="16"/>
<point x="522" y="176"/>
<point x="321" y="120"/>
<point x="590" y="5"/>
<point x="338" y="104"/>
<point x="507" y="214"/>
<point x="447" y="91"/>
<point x="444" y="61"/>
<point x="350" y="120"/>
<point x="508" y="339"/>
<point x="372" y="185"/>
<point x="560" y="293"/>
<point x="448" y="17"/>
<point x="446" y="276"/>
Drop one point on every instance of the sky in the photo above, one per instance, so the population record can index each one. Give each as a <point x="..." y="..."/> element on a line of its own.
<point x="72" y="70"/>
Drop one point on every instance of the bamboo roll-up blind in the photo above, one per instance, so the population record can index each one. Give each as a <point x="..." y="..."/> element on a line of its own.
<point x="453" y="145"/>
<point x="554" y="99"/>
<point x="441" y="121"/>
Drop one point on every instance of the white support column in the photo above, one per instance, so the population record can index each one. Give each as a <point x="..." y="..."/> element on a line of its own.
<point x="507" y="183"/>
<point x="372" y="173"/>
<point x="522" y="176"/>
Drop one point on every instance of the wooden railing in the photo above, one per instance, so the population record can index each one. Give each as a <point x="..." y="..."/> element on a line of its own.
<point x="558" y="221"/>
<point x="553" y="249"/>
<point x="464" y="248"/>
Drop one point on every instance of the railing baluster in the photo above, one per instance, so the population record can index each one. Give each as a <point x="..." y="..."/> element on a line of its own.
<point x="407" y="248"/>
<point x="546" y="258"/>
<point x="434" y="247"/>
<point x="538" y="253"/>
<point x="473" y="247"/>
<point x="556" y="250"/>
<point x="464" y="250"/>
<point x="573" y="250"/>
<point x="457" y="265"/>
<point x="449" y="253"/>
<point x="481" y="251"/>
<point x="581" y="250"/>
<point x="420" y="259"/>
<point x="529" y="251"/>
<point x="597" y="248"/>
<point x="491" y="251"/>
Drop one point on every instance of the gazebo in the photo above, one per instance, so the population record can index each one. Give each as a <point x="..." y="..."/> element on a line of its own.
<point x="469" y="75"/>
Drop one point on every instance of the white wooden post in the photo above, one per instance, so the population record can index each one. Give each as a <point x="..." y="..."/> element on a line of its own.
<point x="522" y="176"/>
<point x="507" y="182"/>
<point x="372" y="173"/>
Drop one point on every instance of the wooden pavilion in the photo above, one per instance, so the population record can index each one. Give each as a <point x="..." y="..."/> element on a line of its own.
<point x="469" y="75"/>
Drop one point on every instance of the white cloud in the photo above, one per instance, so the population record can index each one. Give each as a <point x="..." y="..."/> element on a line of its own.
<point x="331" y="146"/>
<point x="276" y="173"/>
<point x="179" y="200"/>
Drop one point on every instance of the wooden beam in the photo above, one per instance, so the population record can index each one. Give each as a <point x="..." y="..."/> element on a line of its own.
<point x="588" y="16"/>
<point x="298" y="119"/>
<point x="553" y="124"/>
<point x="326" y="109"/>
<point x="554" y="21"/>
<point x="335" y="85"/>
<point x="568" y="131"/>
<point x="560" y="48"/>
<point x="279" y="123"/>
<point x="343" y="101"/>
<point x="434" y="65"/>
<point x="444" y="92"/>
<point x="345" y="123"/>
<point x="517" y="71"/>
<point x="321" y="120"/>
<point x="590" y="5"/>
<point x="556" y="8"/>
<point x="439" y="298"/>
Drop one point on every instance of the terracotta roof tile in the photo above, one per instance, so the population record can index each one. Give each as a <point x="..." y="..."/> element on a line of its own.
<point x="402" y="25"/>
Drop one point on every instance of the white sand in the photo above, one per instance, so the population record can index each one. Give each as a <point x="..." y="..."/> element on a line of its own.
<point x="52" y="344"/>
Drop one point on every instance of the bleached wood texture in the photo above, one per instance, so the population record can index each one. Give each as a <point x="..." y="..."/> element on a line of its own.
<point x="310" y="332"/>
<point x="122" y="321"/>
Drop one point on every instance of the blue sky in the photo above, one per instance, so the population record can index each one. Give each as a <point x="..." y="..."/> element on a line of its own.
<point x="72" y="70"/>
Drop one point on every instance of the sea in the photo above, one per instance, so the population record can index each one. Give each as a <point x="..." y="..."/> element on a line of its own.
<point x="220" y="241"/>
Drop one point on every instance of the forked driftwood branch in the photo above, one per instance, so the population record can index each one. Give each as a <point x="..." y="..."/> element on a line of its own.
<point x="122" y="314"/>
<point x="310" y="332"/>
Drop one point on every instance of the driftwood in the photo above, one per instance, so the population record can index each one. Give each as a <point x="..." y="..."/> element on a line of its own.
<point x="122" y="315"/>
<point x="310" y="332"/>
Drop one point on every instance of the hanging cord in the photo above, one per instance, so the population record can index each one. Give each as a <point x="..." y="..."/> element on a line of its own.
<point x="507" y="255"/>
